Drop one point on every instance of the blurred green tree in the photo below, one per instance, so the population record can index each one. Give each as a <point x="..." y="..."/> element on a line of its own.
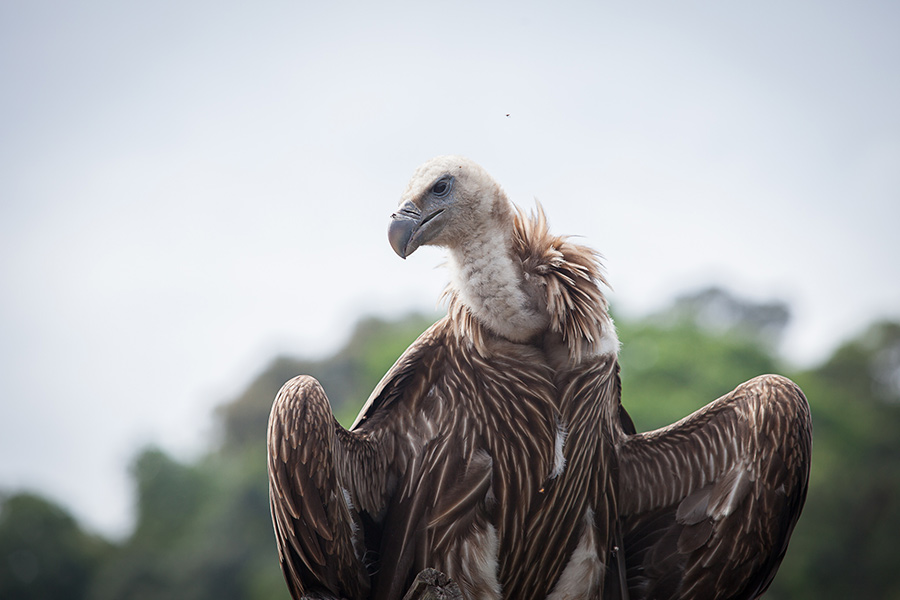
<point x="845" y="545"/>
<point x="43" y="551"/>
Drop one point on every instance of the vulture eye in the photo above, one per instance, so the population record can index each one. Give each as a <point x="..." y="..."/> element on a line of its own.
<point x="441" y="187"/>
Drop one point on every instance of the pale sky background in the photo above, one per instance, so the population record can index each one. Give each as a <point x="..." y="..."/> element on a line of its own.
<point x="189" y="188"/>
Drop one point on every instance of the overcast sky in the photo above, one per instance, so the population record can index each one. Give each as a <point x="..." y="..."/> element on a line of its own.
<point x="189" y="188"/>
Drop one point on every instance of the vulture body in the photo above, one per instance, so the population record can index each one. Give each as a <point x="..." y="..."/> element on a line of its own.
<point x="496" y="449"/>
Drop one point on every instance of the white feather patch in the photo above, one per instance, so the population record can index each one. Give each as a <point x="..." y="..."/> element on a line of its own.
<point x="488" y="283"/>
<point x="478" y="572"/>
<point x="730" y="491"/>
<point x="581" y="577"/>
<point x="609" y="340"/>
<point x="559" y="460"/>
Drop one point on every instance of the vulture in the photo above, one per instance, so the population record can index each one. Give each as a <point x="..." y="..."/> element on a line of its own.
<point x="496" y="449"/>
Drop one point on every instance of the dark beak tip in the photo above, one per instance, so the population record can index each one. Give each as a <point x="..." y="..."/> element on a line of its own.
<point x="400" y="231"/>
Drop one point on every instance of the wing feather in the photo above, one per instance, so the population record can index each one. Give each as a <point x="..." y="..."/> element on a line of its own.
<point x="315" y="531"/>
<point x="328" y="486"/>
<point x="708" y="504"/>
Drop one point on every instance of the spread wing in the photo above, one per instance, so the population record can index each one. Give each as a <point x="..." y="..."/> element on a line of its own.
<point x="327" y="485"/>
<point x="707" y="505"/>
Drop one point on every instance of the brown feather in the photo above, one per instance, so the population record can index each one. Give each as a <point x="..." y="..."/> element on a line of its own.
<point x="709" y="503"/>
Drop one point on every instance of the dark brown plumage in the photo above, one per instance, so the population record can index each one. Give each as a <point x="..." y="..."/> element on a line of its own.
<point x="496" y="449"/>
<point x="708" y="504"/>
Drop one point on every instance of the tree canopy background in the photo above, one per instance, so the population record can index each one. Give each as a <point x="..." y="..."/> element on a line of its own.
<point x="202" y="528"/>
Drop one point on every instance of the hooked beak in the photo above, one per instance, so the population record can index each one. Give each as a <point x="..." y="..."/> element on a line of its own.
<point x="410" y="228"/>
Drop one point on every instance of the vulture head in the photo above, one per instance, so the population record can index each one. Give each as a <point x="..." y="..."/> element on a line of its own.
<point x="508" y="272"/>
<point x="450" y="202"/>
<point x="453" y="203"/>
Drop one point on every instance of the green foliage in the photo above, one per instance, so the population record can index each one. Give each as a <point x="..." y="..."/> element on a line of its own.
<point x="43" y="551"/>
<point x="845" y="544"/>
<point x="670" y="370"/>
<point x="203" y="529"/>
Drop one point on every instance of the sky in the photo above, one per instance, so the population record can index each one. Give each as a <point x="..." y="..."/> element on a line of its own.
<point x="190" y="188"/>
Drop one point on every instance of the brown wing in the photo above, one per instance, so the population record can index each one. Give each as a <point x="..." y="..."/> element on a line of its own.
<point x="707" y="505"/>
<point x="327" y="485"/>
<point x="316" y="526"/>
